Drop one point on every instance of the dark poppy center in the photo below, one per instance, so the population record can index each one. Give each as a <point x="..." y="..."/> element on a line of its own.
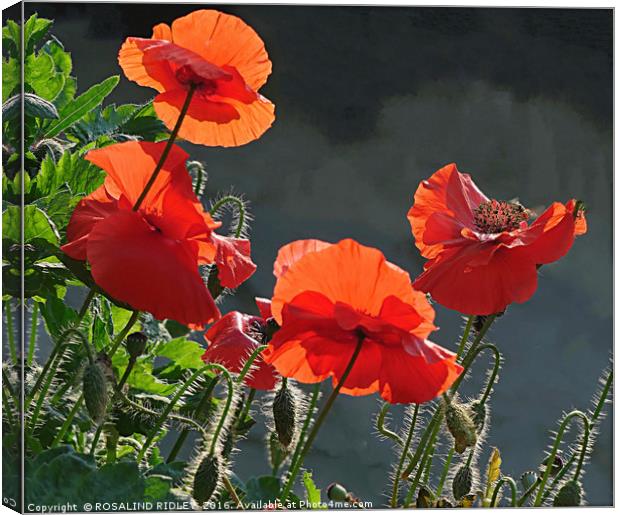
<point x="496" y="216"/>
<point x="188" y="77"/>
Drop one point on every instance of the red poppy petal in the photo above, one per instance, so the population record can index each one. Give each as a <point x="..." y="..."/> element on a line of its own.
<point x="225" y="122"/>
<point x="478" y="290"/>
<point x="292" y="252"/>
<point x="224" y="40"/>
<point x="89" y="211"/>
<point x="405" y="379"/>
<point x="264" y="307"/>
<point x="153" y="63"/>
<point x="129" y="167"/>
<point x="136" y="264"/>
<point x="233" y="261"/>
<point x="162" y="31"/>
<point x="443" y="205"/>
<point x="230" y="345"/>
<point x="347" y="272"/>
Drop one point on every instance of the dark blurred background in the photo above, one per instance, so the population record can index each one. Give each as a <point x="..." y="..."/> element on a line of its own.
<point x="370" y="101"/>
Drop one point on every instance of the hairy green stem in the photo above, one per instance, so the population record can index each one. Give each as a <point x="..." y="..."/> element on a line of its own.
<point x="403" y="456"/>
<point x="513" y="490"/>
<point x="384" y="430"/>
<point x="231" y="199"/>
<point x="556" y="444"/>
<point x="444" y="473"/>
<point x="69" y="420"/>
<point x="465" y="337"/>
<point x="34" y="326"/>
<point x="319" y="421"/>
<point x="121" y="336"/>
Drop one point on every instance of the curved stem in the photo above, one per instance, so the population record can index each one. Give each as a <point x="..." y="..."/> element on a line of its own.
<point x="183" y="435"/>
<point x="513" y="490"/>
<point x="168" y="147"/>
<point x="121" y="336"/>
<point x="496" y="366"/>
<point x="231" y="199"/>
<point x="85" y="305"/>
<point x="556" y="444"/>
<point x="226" y="409"/>
<point x="248" y="363"/>
<point x="319" y="421"/>
<point x="34" y="326"/>
<point x="525" y="496"/>
<point x="232" y="492"/>
<point x="403" y="456"/>
<point x="246" y="408"/>
<point x="465" y="336"/>
<point x="93" y="446"/>
<point x="384" y="430"/>
<point x="198" y="185"/>
<point x="304" y="428"/>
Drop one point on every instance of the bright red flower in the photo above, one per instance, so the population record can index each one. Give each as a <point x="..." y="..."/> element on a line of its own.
<point x="482" y="253"/>
<point x="327" y="296"/>
<point x="233" y="338"/>
<point x="226" y="61"/>
<point x="149" y="258"/>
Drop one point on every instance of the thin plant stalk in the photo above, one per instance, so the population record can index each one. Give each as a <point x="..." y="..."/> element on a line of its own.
<point x="388" y="433"/>
<point x="465" y="337"/>
<point x="69" y="420"/>
<point x="231" y="199"/>
<point x="403" y="456"/>
<point x="513" y="491"/>
<point x="8" y="310"/>
<point x="319" y="421"/>
<point x="123" y="333"/>
<point x="444" y="472"/>
<point x="34" y="326"/>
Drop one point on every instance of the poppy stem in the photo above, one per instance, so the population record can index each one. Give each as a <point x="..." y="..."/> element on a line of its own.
<point x="168" y="147"/>
<point x="403" y="456"/>
<point x="121" y="336"/>
<point x="319" y="421"/>
<point x="513" y="491"/>
<point x="465" y="336"/>
<point x="34" y="326"/>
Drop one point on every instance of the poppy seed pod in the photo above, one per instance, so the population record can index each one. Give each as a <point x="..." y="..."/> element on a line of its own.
<point x="337" y="492"/>
<point x="569" y="495"/>
<point x="284" y="415"/>
<point x="461" y="426"/>
<point x="95" y="389"/>
<point x="462" y="482"/>
<point x="136" y="344"/>
<point x="206" y="479"/>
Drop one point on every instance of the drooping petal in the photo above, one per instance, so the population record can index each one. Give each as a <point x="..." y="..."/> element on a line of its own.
<point x="224" y="40"/>
<point x="347" y="272"/>
<point x="89" y="211"/>
<point x="136" y="264"/>
<point x="443" y="206"/>
<point x="222" y="121"/>
<point x="264" y="307"/>
<point x="459" y="279"/>
<point x="230" y="345"/>
<point x="233" y="260"/>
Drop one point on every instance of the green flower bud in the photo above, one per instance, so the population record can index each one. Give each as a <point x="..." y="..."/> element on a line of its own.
<point x="284" y="415"/>
<point x="206" y="479"/>
<point x="569" y="495"/>
<point x="479" y="415"/>
<point x="462" y="482"/>
<point x="136" y="344"/>
<point x="95" y="389"/>
<point x="337" y="492"/>
<point x="557" y="465"/>
<point x="461" y="426"/>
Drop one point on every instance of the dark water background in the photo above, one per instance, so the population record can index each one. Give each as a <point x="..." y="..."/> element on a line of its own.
<point x="369" y="102"/>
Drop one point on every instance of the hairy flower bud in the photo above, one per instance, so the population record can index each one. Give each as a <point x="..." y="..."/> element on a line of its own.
<point x="136" y="344"/>
<point x="284" y="411"/>
<point x="461" y="426"/>
<point x="479" y="415"/>
<point x="569" y="495"/>
<point x="206" y="478"/>
<point x="95" y="389"/>
<point x="557" y="465"/>
<point x="337" y="492"/>
<point x="424" y="498"/>
<point x="462" y="482"/>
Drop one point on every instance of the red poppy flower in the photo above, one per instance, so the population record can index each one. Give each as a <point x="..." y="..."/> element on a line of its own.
<point x="327" y="296"/>
<point x="482" y="253"/>
<point x="233" y="338"/>
<point x="223" y="58"/>
<point x="149" y="258"/>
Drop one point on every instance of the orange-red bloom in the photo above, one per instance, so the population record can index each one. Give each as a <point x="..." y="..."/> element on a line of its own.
<point x="149" y="258"/>
<point x="234" y="337"/>
<point x="223" y="58"/>
<point x="328" y="296"/>
<point x="482" y="253"/>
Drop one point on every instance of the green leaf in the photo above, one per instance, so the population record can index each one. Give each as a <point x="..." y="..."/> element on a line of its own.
<point x="35" y="30"/>
<point x="313" y="494"/>
<point x="33" y="106"/>
<point x="37" y="225"/>
<point x="102" y="122"/>
<point x="83" y="104"/>
<point x="62" y="60"/>
<point x="263" y="488"/>
<point x="184" y="353"/>
<point x="11" y="77"/>
<point x="57" y="315"/>
<point x="11" y="38"/>
<point x="40" y="74"/>
<point x="80" y="176"/>
<point x="59" y="207"/>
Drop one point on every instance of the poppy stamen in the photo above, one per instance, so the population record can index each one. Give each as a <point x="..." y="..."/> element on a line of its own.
<point x="188" y="77"/>
<point x="495" y="216"/>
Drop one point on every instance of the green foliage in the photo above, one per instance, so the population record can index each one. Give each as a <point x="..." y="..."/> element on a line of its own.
<point x="313" y="494"/>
